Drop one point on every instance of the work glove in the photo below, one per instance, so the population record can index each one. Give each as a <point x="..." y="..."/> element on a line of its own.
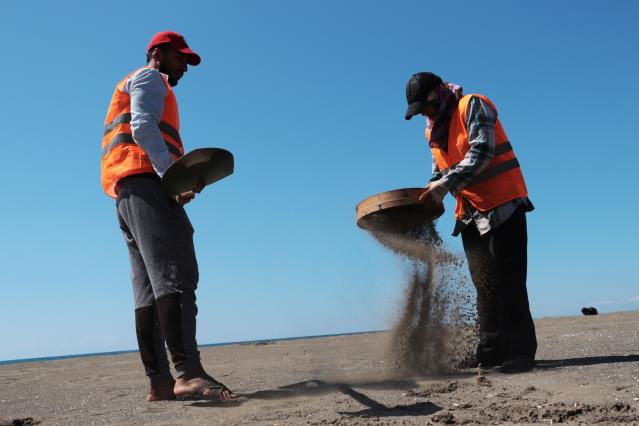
<point x="434" y="195"/>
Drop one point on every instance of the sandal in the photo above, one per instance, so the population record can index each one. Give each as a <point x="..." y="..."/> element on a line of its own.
<point x="216" y="387"/>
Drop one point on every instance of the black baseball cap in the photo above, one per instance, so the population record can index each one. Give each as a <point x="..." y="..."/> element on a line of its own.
<point x="417" y="90"/>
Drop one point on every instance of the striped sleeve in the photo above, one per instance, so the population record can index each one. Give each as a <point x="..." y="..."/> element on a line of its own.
<point x="480" y="124"/>
<point x="436" y="173"/>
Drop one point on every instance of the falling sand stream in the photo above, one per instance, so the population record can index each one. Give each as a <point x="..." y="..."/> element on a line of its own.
<point x="436" y="328"/>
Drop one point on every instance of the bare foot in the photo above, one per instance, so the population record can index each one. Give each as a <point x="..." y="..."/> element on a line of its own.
<point x="161" y="392"/>
<point x="202" y="387"/>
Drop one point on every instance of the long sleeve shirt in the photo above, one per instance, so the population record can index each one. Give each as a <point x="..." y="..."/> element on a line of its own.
<point x="480" y="122"/>
<point x="148" y="90"/>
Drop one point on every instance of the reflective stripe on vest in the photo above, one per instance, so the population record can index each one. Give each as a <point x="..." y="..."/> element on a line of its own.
<point x="121" y="156"/>
<point x="500" y="182"/>
<point x="497" y="168"/>
<point x="121" y="138"/>
<point x="120" y="119"/>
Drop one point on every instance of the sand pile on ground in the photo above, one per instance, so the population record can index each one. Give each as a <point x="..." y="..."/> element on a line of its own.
<point x="436" y="330"/>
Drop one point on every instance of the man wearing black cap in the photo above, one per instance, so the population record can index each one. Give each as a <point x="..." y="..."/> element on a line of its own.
<point x="473" y="160"/>
<point x="141" y="140"/>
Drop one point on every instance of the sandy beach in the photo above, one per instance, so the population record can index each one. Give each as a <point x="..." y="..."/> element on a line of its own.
<point x="588" y="372"/>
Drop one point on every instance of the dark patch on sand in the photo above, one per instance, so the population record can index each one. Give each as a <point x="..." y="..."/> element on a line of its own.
<point x="26" y="421"/>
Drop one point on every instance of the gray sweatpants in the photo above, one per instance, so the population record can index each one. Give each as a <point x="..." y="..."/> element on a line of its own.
<point x="164" y="274"/>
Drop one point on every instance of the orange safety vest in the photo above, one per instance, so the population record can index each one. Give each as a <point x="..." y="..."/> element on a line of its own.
<point x="121" y="156"/>
<point x="501" y="181"/>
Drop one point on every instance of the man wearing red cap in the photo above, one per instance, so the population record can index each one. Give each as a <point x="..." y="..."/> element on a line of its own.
<point x="141" y="140"/>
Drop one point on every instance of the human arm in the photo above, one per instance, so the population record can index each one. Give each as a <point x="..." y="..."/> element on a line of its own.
<point x="148" y="90"/>
<point x="184" y="197"/>
<point x="436" y="173"/>
<point x="480" y="125"/>
<point x="433" y="194"/>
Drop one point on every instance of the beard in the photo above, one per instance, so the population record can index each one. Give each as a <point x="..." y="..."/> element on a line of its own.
<point x="171" y="80"/>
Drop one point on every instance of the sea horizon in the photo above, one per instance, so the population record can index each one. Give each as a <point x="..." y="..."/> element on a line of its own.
<point x="257" y="341"/>
<point x="128" y="351"/>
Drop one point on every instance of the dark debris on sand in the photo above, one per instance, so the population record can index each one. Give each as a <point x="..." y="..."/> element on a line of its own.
<point x="27" y="421"/>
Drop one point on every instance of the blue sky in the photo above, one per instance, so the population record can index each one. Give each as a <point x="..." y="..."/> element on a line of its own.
<point x="309" y="96"/>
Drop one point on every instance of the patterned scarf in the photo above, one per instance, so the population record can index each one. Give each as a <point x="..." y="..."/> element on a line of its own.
<point x="448" y="95"/>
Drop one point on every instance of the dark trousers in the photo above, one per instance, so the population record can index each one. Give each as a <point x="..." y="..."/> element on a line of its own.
<point x="498" y="262"/>
<point x="164" y="274"/>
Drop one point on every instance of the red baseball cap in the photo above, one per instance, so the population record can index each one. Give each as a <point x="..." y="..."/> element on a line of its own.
<point x="176" y="40"/>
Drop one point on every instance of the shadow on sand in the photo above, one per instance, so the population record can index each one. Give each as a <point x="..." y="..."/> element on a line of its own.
<point x="375" y="409"/>
<point x="318" y="387"/>
<point x="592" y="360"/>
